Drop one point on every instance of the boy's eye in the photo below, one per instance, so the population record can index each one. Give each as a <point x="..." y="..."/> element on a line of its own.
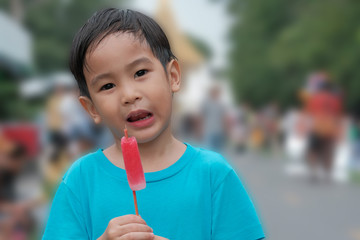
<point x="140" y="73"/>
<point x="107" y="86"/>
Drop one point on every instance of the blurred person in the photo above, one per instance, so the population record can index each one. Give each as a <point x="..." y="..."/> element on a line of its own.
<point x="77" y="127"/>
<point x="296" y="127"/>
<point x="190" y="128"/>
<point x="213" y="119"/>
<point x="15" y="218"/>
<point x="257" y="135"/>
<point x="343" y="150"/>
<point x="57" y="157"/>
<point x="72" y="134"/>
<point x="270" y="118"/>
<point x="239" y="127"/>
<point x="55" y="122"/>
<point x="324" y="107"/>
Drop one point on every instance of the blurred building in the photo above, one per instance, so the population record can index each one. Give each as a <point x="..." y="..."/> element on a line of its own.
<point x="183" y="49"/>
<point x="197" y="75"/>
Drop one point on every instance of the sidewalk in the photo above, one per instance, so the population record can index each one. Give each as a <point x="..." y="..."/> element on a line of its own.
<point x="293" y="208"/>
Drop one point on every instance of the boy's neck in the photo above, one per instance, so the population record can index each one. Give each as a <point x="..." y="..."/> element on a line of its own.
<point x="160" y="153"/>
<point x="156" y="155"/>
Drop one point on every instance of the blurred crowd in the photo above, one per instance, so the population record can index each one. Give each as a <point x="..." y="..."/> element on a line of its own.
<point x="34" y="157"/>
<point x="317" y="139"/>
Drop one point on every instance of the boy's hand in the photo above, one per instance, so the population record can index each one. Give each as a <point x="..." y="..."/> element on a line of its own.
<point x="128" y="227"/>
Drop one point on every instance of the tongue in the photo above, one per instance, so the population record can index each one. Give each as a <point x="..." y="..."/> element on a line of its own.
<point x="138" y="117"/>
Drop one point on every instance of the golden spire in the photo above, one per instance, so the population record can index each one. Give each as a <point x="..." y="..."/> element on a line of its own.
<point x="183" y="49"/>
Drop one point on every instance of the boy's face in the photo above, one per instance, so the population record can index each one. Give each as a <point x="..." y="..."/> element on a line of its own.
<point x="129" y="86"/>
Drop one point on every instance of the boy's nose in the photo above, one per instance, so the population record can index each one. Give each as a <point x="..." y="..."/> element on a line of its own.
<point x="131" y="100"/>
<point x="130" y="96"/>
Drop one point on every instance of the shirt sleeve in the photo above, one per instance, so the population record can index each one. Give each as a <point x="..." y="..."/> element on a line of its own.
<point x="234" y="215"/>
<point x="65" y="220"/>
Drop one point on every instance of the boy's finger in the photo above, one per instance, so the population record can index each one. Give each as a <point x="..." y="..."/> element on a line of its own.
<point x="138" y="236"/>
<point x="132" y="228"/>
<point x="126" y="219"/>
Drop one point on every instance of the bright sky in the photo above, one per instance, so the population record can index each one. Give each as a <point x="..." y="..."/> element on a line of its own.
<point x="203" y="19"/>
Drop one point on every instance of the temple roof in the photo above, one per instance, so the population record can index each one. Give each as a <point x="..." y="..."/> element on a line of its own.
<point x="181" y="46"/>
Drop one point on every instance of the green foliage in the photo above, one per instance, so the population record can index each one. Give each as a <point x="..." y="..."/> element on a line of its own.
<point x="278" y="43"/>
<point x="12" y="106"/>
<point x="4" y="4"/>
<point x="53" y="24"/>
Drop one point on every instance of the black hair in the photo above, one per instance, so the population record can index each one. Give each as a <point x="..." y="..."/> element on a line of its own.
<point x="109" y="21"/>
<point x="327" y="86"/>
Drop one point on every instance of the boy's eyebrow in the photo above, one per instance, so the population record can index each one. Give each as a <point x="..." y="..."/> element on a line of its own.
<point x="98" y="77"/>
<point x="138" y="61"/>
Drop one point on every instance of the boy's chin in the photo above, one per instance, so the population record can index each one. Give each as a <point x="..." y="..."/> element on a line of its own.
<point x="145" y="139"/>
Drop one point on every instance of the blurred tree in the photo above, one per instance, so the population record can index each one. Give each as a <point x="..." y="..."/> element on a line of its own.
<point x="276" y="44"/>
<point x="54" y="23"/>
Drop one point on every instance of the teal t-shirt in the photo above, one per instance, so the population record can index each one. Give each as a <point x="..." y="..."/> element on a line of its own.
<point x="198" y="197"/>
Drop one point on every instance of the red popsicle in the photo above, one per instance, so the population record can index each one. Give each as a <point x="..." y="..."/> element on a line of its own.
<point x="133" y="166"/>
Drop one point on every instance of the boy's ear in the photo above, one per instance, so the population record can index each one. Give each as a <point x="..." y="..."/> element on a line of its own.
<point x="88" y="105"/>
<point x="174" y="73"/>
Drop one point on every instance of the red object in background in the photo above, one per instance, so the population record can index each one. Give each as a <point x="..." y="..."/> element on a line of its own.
<point x="324" y="104"/>
<point x="25" y="134"/>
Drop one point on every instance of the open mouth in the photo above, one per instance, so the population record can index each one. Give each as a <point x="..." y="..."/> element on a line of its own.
<point x="139" y="116"/>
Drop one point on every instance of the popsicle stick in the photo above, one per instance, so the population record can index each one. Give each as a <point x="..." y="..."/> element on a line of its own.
<point x="135" y="202"/>
<point x="126" y="133"/>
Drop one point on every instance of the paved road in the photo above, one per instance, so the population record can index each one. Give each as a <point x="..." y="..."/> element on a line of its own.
<point x="292" y="208"/>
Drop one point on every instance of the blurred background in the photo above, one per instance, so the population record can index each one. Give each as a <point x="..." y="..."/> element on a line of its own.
<point x="273" y="85"/>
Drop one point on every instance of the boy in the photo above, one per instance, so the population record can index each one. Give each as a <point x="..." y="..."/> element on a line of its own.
<point x="127" y="75"/>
